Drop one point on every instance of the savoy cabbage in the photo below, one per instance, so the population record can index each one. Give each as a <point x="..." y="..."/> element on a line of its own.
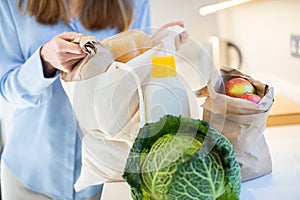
<point x="181" y="159"/>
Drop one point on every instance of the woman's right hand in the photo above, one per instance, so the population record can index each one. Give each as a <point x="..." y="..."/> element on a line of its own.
<point x="60" y="53"/>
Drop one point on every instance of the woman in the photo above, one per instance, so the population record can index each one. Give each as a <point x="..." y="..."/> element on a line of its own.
<point x="42" y="156"/>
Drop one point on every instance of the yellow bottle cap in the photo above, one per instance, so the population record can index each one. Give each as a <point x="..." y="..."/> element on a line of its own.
<point x="163" y="67"/>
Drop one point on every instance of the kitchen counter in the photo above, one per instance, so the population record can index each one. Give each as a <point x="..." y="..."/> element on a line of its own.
<point x="282" y="183"/>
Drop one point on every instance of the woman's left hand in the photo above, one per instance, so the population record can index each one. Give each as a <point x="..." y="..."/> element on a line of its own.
<point x="182" y="36"/>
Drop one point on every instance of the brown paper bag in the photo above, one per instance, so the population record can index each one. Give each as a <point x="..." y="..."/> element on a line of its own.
<point x="241" y="121"/>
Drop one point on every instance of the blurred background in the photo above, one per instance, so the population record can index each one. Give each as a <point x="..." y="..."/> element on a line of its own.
<point x="259" y="37"/>
<point x="261" y="29"/>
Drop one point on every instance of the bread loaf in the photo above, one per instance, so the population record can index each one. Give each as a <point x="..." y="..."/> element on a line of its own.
<point x="128" y="44"/>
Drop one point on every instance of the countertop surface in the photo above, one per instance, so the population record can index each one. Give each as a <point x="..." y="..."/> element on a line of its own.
<point x="282" y="183"/>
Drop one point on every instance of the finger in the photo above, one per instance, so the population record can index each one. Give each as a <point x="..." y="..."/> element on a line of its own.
<point x="184" y="36"/>
<point x="68" y="66"/>
<point x="180" y="39"/>
<point x="64" y="58"/>
<point x="70" y="36"/>
<point x="71" y="56"/>
<point x="179" y="23"/>
<point x="69" y="47"/>
<point x="177" y="43"/>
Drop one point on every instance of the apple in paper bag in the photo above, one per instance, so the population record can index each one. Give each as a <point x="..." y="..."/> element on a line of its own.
<point x="251" y="97"/>
<point x="236" y="87"/>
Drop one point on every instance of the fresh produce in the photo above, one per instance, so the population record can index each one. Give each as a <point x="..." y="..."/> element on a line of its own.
<point x="235" y="87"/>
<point x="251" y="97"/>
<point x="179" y="158"/>
<point x="241" y="88"/>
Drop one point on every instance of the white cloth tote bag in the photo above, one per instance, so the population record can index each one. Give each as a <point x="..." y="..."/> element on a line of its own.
<point x="109" y="110"/>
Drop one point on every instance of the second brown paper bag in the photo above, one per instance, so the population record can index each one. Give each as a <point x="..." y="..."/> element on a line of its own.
<point x="241" y="121"/>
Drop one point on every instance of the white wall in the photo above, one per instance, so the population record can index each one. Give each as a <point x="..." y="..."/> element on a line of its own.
<point x="199" y="27"/>
<point x="262" y="29"/>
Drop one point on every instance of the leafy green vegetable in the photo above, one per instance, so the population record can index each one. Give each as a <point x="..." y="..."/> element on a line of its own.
<point x="180" y="159"/>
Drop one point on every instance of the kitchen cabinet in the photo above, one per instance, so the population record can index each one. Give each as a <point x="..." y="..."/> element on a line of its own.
<point x="284" y="112"/>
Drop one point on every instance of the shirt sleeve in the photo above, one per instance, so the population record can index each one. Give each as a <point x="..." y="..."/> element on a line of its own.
<point x="141" y="18"/>
<point x="22" y="81"/>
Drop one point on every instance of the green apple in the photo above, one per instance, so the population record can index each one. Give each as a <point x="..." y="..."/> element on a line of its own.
<point x="236" y="87"/>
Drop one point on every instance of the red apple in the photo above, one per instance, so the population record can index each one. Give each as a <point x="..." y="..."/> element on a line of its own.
<point x="235" y="87"/>
<point x="251" y="97"/>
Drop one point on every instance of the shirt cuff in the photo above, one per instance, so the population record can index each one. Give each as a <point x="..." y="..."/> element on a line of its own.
<point x="32" y="74"/>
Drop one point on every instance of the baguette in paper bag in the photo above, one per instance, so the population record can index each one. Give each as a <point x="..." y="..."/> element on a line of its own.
<point x="121" y="47"/>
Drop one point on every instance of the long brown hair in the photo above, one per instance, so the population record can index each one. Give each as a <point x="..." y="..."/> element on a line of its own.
<point x="94" y="14"/>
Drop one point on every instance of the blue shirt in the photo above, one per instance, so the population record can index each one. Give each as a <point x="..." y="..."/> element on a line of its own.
<point x="43" y="148"/>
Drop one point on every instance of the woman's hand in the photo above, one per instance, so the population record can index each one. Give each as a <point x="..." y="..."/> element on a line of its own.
<point x="182" y="37"/>
<point x="61" y="54"/>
